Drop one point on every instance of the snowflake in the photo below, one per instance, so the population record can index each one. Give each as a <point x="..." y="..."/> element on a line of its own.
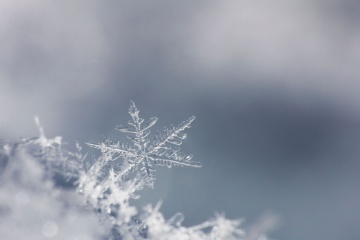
<point x="164" y="150"/>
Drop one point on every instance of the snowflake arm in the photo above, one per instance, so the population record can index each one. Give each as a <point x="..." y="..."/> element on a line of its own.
<point x="172" y="135"/>
<point x="114" y="149"/>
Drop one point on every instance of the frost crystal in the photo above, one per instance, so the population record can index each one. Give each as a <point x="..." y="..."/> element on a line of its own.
<point x="164" y="150"/>
<point x="36" y="204"/>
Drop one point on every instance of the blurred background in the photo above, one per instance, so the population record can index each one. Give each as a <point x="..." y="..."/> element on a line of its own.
<point x="274" y="85"/>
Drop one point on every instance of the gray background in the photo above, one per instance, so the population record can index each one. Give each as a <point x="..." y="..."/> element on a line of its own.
<point x="274" y="85"/>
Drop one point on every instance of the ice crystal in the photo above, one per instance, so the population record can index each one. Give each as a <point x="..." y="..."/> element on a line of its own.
<point x="35" y="205"/>
<point x="164" y="150"/>
<point x="218" y="228"/>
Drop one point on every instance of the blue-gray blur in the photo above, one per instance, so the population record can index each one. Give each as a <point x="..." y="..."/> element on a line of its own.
<point x="274" y="85"/>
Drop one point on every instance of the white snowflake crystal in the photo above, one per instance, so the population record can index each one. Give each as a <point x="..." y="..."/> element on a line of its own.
<point x="164" y="150"/>
<point x="33" y="205"/>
